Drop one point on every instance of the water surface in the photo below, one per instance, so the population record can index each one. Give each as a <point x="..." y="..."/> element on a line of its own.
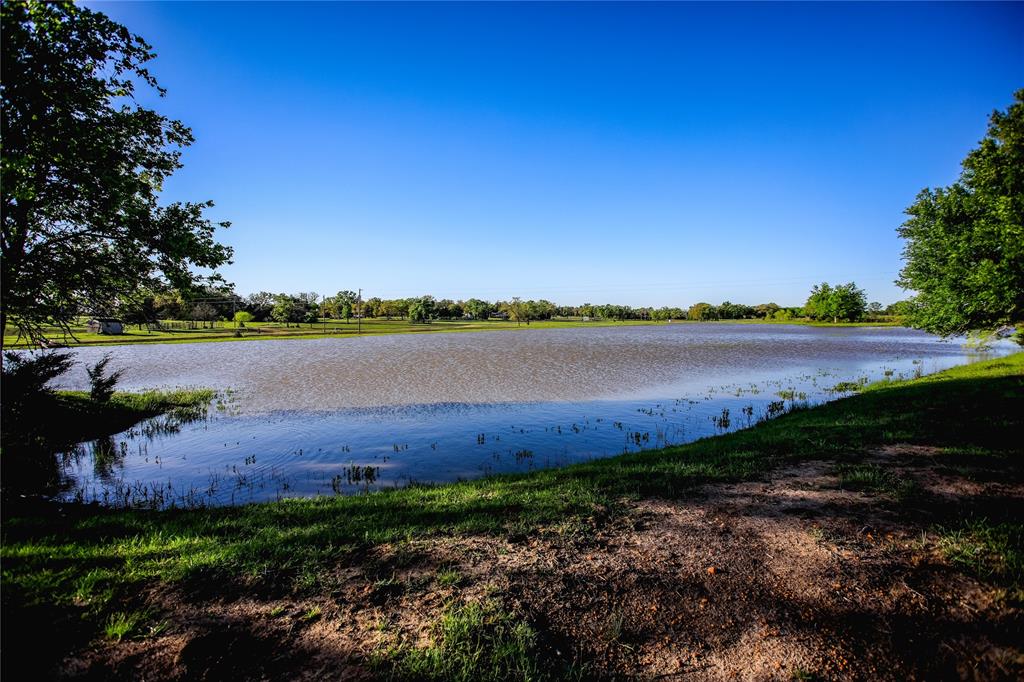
<point x="335" y="416"/>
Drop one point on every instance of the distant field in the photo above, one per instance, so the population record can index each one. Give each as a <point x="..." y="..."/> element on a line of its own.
<point x="178" y="331"/>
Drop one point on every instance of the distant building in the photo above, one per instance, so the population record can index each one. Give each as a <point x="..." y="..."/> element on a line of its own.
<point x="105" y="325"/>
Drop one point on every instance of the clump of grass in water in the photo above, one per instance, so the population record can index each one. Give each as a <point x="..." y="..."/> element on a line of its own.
<point x="471" y="641"/>
<point x="522" y="455"/>
<point x="873" y="478"/>
<point x="850" y="386"/>
<point x="774" y="409"/>
<point x="723" y="422"/>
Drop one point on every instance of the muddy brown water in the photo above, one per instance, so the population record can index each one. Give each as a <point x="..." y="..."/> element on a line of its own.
<point x="337" y="416"/>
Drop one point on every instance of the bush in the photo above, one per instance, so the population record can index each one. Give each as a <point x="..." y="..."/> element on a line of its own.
<point x="101" y="387"/>
<point x="25" y="379"/>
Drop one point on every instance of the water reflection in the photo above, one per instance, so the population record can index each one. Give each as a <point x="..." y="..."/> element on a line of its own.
<point x="338" y="416"/>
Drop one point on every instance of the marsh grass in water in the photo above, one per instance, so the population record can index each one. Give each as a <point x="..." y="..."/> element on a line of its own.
<point x="852" y="386"/>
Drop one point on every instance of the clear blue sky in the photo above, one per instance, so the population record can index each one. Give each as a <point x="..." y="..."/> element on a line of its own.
<point x="639" y="154"/>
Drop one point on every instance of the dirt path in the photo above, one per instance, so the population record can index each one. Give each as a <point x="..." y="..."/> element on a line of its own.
<point x="792" y="577"/>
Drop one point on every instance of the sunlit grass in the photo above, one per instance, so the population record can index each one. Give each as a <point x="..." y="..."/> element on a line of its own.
<point x="986" y="549"/>
<point x="470" y="641"/>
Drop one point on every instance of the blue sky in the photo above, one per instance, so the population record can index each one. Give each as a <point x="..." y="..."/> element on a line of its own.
<point x="645" y="154"/>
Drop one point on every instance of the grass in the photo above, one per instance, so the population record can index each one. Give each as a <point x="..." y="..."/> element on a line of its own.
<point x="120" y="625"/>
<point x="875" y="479"/>
<point x="986" y="549"/>
<point x="475" y="640"/>
<point x="72" y="416"/>
<point x="87" y="562"/>
<point x="449" y="577"/>
<point x="226" y="331"/>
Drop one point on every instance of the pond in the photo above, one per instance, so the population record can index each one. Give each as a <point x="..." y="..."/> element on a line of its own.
<point x="338" y="416"/>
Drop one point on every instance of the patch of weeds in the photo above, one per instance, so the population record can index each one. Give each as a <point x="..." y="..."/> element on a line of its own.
<point x="94" y="588"/>
<point x="988" y="550"/>
<point x="122" y="624"/>
<point x="615" y="626"/>
<point x="312" y="614"/>
<point x="849" y="386"/>
<point x="802" y="675"/>
<point x="307" y="581"/>
<point x="825" y="536"/>
<point x="875" y="479"/>
<point x="385" y="588"/>
<point x="449" y="577"/>
<point x="470" y="641"/>
<point x="277" y="611"/>
<point x="157" y="629"/>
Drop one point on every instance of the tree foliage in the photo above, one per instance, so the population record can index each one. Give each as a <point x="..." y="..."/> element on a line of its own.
<point x="101" y="384"/>
<point x="965" y="243"/>
<point x="421" y="309"/>
<point x="840" y="302"/>
<point x="82" y="167"/>
<point x="286" y="310"/>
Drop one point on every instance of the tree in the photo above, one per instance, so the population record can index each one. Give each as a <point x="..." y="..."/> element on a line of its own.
<point x="140" y="311"/>
<point x="421" y="309"/>
<point x="965" y="243"/>
<point x="82" y="167"/>
<point x="518" y="310"/>
<point x="479" y="310"/>
<point x="900" y="309"/>
<point x="285" y="310"/>
<point x="734" y="311"/>
<point x="343" y="304"/>
<point x="242" y="318"/>
<point x="373" y="307"/>
<point x="260" y="304"/>
<point x="702" y="311"/>
<point x="204" y="312"/>
<point x="819" y="304"/>
<point x="841" y="302"/>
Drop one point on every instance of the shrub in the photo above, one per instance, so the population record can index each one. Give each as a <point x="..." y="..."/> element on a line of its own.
<point x="101" y="386"/>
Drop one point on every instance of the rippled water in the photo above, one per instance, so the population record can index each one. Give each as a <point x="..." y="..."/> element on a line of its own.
<point x="334" y="416"/>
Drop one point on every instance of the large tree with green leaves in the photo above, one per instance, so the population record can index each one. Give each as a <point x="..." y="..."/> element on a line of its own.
<point x="840" y="302"/>
<point x="83" y="164"/>
<point x="965" y="243"/>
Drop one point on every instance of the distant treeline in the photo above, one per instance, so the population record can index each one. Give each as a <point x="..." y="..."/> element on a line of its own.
<point x="223" y="304"/>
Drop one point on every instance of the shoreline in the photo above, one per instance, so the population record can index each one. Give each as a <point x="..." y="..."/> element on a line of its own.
<point x="437" y="327"/>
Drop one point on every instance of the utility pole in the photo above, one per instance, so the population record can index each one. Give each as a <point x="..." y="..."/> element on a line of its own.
<point x="359" y="313"/>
